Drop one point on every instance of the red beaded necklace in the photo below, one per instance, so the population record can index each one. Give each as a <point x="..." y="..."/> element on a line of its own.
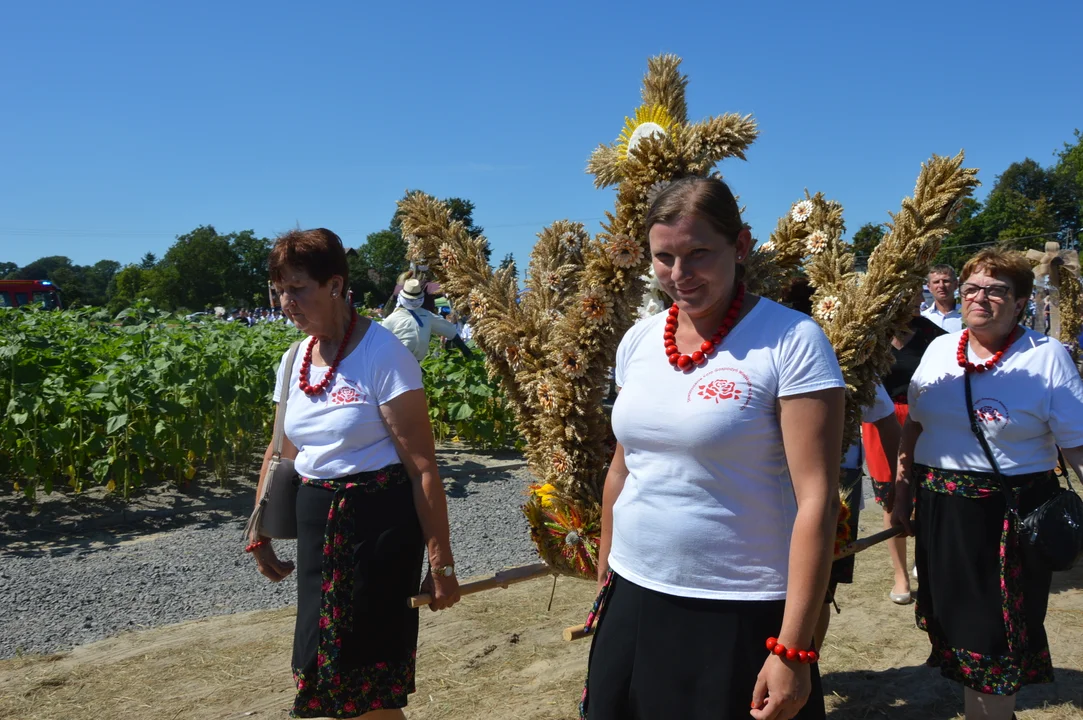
<point x="699" y="357"/>
<point x="969" y="367"/>
<point x="306" y="363"/>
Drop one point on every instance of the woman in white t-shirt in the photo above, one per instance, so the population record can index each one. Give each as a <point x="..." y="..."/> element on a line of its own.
<point x="982" y="601"/>
<point x="370" y="500"/>
<point x="720" y="505"/>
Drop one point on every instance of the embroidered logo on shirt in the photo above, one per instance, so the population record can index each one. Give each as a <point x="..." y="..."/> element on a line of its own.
<point x="346" y="394"/>
<point x="991" y="412"/>
<point x="723" y="385"/>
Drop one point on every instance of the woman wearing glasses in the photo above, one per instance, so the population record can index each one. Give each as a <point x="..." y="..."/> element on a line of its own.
<point x="980" y="600"/>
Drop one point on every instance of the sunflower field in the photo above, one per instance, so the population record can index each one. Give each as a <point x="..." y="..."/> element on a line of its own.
<point x="91" y="399"/>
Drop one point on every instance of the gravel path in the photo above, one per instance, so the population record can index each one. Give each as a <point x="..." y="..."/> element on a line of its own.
<point x="64" y="594"/>
<point x="57" y="595"/>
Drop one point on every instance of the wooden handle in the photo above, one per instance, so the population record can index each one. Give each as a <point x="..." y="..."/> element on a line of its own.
<point x="502" y="579"/>
<point x="866" y="542"/>
<point x="578" y="632"/>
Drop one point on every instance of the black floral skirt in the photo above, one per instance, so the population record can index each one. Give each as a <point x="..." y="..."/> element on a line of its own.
<point x="359" y="557"/>
<point x="982" y="605"/>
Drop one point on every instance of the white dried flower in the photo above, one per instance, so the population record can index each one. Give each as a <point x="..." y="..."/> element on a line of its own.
<point x="827" y="307"/>
<point x="801" y="211"/>
<point x="816" y="242"/>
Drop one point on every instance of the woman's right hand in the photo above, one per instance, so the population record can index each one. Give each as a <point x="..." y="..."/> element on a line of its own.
<point x="904" y="506"/>
<point x="268" y="563"/>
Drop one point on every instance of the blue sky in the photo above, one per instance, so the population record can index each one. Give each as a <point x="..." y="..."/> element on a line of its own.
<point x="124" y="124"/>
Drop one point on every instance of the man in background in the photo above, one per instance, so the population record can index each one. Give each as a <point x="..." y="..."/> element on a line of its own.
<point x="944" y="312"/>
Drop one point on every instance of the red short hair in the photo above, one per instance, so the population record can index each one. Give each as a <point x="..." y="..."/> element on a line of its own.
<point x="318" y="252"/>
<point x="1007" y="264"/>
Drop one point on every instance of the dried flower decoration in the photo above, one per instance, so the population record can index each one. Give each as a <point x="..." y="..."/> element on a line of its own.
<point x="572" y="363"/>
<point x="597" y="308"/>
<point x="448" y="256"/>
<point x="801" y="211"/>
<point x="816" y="242"/>
<point x="827" y="307"/>
<point x="624" y="251"/>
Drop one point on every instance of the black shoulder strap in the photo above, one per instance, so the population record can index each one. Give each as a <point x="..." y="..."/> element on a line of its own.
<point x="1009" y="496"/>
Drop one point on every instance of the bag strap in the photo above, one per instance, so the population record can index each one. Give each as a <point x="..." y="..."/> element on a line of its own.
<point x="1009" y="496"/>
<point x="284" y="395"/>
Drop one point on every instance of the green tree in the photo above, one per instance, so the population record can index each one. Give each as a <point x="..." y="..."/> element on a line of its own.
<point x="148" y="261"/>
<point x="865" y="240"/>
<point x="198" y="271"/>
<point x="7" y="268"/>
<point x="132" y="283"/>
<point x="250" y="266"/>
<point x="966" y="239"/>
<point x="508" y="261"/>
<point x="1068" y="175"/>
<point x="383" y="258"/>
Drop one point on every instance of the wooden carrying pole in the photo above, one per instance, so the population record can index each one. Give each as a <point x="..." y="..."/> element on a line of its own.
<point x="502" y="579"/>
<point x="578" y="632"/>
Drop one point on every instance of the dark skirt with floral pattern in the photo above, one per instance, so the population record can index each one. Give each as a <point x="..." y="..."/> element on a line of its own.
<point x="359" y="557"/>
<point x="982" y="604"/>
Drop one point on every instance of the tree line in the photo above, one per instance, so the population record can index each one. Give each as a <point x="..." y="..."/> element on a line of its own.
<point x="204" y="269"/>
<point x="1028" y="206"/>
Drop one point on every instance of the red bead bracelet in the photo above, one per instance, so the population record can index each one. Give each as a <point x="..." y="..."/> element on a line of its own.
<point x="252" y="547"/>
<point x="802" y="656"/>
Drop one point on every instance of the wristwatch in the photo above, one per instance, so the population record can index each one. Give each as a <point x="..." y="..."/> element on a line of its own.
<point x="444" y="571"/>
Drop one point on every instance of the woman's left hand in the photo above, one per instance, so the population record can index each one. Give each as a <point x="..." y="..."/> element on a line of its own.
<point x="782" y="689"/>
<point x="444" y="591"/>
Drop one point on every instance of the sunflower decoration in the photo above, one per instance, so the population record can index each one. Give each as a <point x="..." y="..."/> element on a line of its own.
<point x="650" y="120"/>
<point x="624" y="251"/>
<point x="565" y="535"/>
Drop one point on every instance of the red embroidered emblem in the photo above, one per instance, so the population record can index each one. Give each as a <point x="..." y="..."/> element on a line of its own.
<point x="988" y="414"/>
<point x="344" y="395"/>
<point x="720" y="390"/>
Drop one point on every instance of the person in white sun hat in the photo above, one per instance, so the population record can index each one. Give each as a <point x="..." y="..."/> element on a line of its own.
<point x="413" y="325"/>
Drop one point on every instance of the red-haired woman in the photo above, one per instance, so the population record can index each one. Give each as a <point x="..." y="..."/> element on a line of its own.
<point x="370" y="502"/>
<point x="980" y="598"/>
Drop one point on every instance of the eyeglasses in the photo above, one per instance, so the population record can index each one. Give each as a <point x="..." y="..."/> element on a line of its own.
<point x="969" y="291"/>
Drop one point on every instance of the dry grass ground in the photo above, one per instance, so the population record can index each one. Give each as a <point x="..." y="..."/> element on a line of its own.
<point x="499" y="655"/>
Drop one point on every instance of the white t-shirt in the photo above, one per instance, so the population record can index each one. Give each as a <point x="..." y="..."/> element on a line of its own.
<point x="340" y="431"/>
<point x="415" y="329"/>
<point x="881" y="407"/>
<point x="951" y="322"/>
<point x="1031" y="401"/>
<point x="707" y="509"/>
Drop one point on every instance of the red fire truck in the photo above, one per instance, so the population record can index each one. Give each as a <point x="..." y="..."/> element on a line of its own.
<point x="17" y="293"/>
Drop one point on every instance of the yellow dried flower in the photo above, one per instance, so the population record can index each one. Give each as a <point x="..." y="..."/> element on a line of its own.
<point x="478" y="304"/>
<point x="546" y="397"/>
<point x="448" y="256"/>
<point x="597" y="308"/>
<point x="560" y="462"/>
<point x="572" y="363"/>
<point x="624" y="251"/>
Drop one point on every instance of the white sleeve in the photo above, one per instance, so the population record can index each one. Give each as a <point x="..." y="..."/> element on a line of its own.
<point x="806" y="361"/>
<point x="394" y="371"/>
<point x="1066" y="399"/>
<point x="882" y="406"/>
<point x="624" y="350"/>
<point x="440" y="326"/>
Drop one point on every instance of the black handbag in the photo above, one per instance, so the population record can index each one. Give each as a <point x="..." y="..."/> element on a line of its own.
<point x="1051" y="533"/>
